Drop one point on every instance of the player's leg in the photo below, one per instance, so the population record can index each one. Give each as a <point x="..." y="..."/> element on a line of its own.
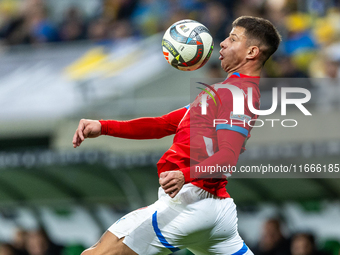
<point x="220" y="217"/>
<point x="109" y="244"/>
<point x="167" y="225"/>
<point x="139" y="232"/>
<point x="149" y="230"/>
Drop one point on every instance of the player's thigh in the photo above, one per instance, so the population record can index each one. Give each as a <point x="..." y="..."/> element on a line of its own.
<point x="109" y="244"/>
<point x="223" y="237"/>
<point x="143" y="229"/>
<point x="156" y="234"/>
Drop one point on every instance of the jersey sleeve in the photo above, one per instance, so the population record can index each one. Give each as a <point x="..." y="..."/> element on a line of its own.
<point x="144" y="128"/>
<point x="230" y="144"/>
<point x="226" y="119"/>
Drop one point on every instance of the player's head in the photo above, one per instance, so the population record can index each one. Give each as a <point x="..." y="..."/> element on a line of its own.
<point x="251" y="39"/>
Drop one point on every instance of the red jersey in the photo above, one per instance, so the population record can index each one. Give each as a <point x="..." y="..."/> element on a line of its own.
<point x="196" y="140"/>
<point x="196" y="137"/>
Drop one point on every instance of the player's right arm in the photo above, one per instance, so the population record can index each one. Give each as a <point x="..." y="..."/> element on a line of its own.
<point x="141" y="128"/>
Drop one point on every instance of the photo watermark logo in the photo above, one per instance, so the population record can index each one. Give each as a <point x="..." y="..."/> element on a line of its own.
<point x="309" y="150"/>
<point x="239" y="97"/>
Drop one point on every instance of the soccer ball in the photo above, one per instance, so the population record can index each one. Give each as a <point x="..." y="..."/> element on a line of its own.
<point x="187" y="45"/>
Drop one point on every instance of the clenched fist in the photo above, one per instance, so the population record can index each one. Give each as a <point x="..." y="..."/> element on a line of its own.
<point x="171" y="182"/>
<point x="86" y="129"/>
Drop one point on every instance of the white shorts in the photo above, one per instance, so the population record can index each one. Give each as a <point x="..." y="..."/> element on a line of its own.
<point x="194" y="219"/>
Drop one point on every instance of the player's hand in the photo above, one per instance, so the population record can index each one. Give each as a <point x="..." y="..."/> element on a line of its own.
<point x="171" y="182"/>
<point x="86" y="129"/>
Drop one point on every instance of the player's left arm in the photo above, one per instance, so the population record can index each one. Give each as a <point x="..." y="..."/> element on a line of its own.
<point x="229" y="142"/>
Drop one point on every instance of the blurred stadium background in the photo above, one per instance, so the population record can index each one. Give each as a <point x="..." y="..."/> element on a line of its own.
<point x="64" y="60"/>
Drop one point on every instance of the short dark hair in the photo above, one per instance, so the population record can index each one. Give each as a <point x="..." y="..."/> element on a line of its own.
<point x="261" y="30"/>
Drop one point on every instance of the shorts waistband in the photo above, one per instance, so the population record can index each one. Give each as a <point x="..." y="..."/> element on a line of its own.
<point x="187" y="195"/>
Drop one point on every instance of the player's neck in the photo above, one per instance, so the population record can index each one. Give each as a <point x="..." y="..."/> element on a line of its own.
<point x="246" y="70"/>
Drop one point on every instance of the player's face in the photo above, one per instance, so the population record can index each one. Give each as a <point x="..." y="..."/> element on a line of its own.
<point x="234" y="50"/>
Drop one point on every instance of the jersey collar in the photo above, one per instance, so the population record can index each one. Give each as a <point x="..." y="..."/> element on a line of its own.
<point x="252" y="79"/>
<point x="239" y="75"/>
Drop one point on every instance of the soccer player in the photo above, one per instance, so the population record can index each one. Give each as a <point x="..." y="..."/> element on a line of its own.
<point x="192" y="211"/>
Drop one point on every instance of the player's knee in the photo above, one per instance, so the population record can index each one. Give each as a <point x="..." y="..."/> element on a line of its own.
<point x="109" y="244"/>
<point x="117" y="250"/>
<point x="91" y="251"/>
<point x="97" y="252"/>
<point x="86" y="252"/>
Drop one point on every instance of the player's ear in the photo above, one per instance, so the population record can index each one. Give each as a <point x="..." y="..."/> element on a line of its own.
<point x="253" y="52"/>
